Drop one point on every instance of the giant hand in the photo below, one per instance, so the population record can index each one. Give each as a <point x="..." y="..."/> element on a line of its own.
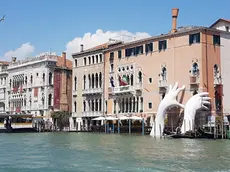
<point x="196" y="102"/>
<point x="170" y="100"/>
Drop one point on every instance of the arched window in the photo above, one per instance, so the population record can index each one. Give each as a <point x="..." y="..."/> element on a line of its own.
<point x="85" y="61"/>
<point x="163" y="73"/>
<point x="43" y="77"/>
<point x="128" y="80"/>
<point x="127" y="105"/>
<point x="131" y="80"/>
<point x="93" y="106"/>
<point x="216" y="70"/>
<point x="92" y="59"/>
<point x="31" y="79"/>
<point x="130" y="104"/>
<point x="100" y="104"/>
<point x="89" y="59"/>
<point x="26" y="80"/>
<point x="89" y="79"/>
<point x="195" y="69"/>
<point x="140" y="76"/>
<point x="96" y="58"/>
<point x="50" y="78"/>
<point x="75" y="83"/>
<point x="134" y="103"/>
<point x="10" y="82"/>
<point x="92" y="80"/>
<point x="84" y="106"/>
<point x="100" y="80"/>
<point x="84" y="81"/>
<point x="50" y="100"/>
<point x="100" y="57"/>
<point x="218" y="102"/>
<point x="96" y="80"/>
<point x="75" y="106"/>
<point x="96" y="106"/>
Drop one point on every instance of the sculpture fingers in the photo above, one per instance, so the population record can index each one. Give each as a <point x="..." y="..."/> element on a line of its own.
<point x="175" y="86"/>
<point x="206" y="102"/>
<point x="206" y="98"/>
<point x="205" y="107"/>
<point x="202" y="94"/>
<point x="180" y="89"/>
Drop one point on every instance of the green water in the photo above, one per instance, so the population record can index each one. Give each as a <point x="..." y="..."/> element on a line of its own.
<point x="78" y="152"/>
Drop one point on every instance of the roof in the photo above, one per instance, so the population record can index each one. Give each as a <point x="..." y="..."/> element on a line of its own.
<point x="219" y="20"/>
<point x="180" y="32"/>
<point x="4" y="63"/>
<point x="97" y="48"/>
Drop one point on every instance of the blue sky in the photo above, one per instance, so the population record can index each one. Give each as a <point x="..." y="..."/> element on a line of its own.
<point x="53" y="23"/>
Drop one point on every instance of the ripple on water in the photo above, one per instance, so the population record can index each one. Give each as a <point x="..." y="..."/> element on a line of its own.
<point x="100" y="152"/>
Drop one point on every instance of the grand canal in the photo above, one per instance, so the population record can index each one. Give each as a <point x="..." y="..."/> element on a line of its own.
<point x="85" y="152"/>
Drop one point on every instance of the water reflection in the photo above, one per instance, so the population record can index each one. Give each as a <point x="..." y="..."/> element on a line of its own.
<point x="110" y="152"/>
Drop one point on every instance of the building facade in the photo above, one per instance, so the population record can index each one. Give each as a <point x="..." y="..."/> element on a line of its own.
<point x="88" y="67"/>
<point x="35" y="86"/>
<point x="224" y="25"/>
<point x="3" y="85"/>
<point x="138" y="74"/>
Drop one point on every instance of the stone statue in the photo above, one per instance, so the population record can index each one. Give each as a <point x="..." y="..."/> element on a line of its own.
<point x="170" y="100"/>
<point x="196" y="102"/>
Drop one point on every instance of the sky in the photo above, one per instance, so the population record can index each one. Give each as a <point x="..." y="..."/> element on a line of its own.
<point x="32" y="28"/>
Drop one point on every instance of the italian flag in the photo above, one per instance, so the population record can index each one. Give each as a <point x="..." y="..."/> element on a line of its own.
<point x="124" y="80"/>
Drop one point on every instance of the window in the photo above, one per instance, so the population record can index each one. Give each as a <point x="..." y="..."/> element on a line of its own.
<point x="85" y="61"/>
<point x="148" y="48"/>
<point x="31" y="79"/>
<point x="129" y="52"/>
<point x="111" y="67"/>
<point x="111" y="58"/>
<point x="227" y="28"/>
<point x="139" y="50"/>
<point x="100" y="55"/>
<point x="150" y="105"/>
<point x="50" y="100"/>
<point x="75" y="62"/>
<point x="119" y="54"/>
<point x="43" y="77"/>
<point x="96" y="58"/>
<point x="150" y="80"/>
<point x="162" y="45"/>
<point x="75" y="83"/>
<point x="92" y="59"/>
<point x="89" y="59"/>
<point x="75" y="106"/>
<point x="194" y="38"/>
<point x="50" y="78"/>
<point x="216" y="39"/>
<point x="37" y="74"/>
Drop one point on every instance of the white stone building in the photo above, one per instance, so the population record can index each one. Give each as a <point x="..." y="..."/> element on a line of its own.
<point x="3" y="85"/>
<point x="30" y="86"/>
<point x="88" y="69"/>
<point x="224" y="25"/>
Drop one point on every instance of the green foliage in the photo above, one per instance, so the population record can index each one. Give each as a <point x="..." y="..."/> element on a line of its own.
<point x="61" y="119"/>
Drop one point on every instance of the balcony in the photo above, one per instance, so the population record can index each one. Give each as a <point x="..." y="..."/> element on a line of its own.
<point x="217" y="81"/>
<point x="121" y="90"/>
<point x="92" y="91"/>
<point x="91" y="114"/>
<point x="194" y="80"/>
<point x="162" y="83"/>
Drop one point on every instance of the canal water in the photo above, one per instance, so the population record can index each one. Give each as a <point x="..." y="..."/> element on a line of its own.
<point x="87" y="152"/>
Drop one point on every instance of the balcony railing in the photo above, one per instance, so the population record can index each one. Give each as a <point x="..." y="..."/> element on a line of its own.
<point x="122" y="89"/>
<point x="91" y="114"/>
<point x="162" y="83"/>
<point x="194" y="80"/>
<point x="92" y="91"/>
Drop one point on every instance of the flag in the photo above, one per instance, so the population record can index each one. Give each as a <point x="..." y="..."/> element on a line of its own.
<point x="123" y="81"/>
<point x="112" y="82"/>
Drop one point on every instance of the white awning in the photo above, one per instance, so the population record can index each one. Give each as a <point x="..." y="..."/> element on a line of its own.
<point x="99" y="118"/>
<point x="136" y="118"/>
<point x="110" y="118"/>
<point x="123" y="118"/>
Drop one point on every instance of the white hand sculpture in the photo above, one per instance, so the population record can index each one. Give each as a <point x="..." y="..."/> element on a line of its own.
<point x="196" y="102"/>
<point x="170" y="100"/>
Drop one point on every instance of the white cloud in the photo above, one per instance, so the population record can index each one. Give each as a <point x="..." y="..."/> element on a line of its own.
<point x="22" y="52"/>
<point x="90" y="40"/>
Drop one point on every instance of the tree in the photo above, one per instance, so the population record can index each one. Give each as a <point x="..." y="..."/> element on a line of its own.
<point x="61" y="119"/>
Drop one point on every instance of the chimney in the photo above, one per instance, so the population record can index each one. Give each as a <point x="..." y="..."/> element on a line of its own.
<point x="175" y="12"/>
<point x="82" y="48"/>
<point x="14" y="59"/>
<point x="64" y="58"/>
